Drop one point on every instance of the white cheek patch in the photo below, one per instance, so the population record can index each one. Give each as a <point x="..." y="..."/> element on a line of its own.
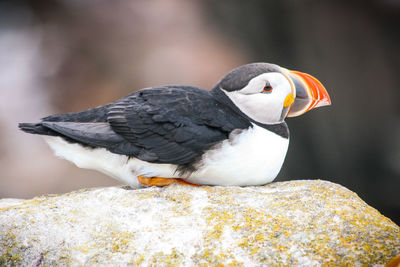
<point x="259" y="107"/>
<point x="265" y="108"/>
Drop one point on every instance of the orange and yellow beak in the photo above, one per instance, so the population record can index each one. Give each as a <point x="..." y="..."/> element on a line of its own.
<point x="310" y="93"/>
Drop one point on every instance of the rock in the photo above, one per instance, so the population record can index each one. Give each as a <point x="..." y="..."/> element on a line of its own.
<point x="303" y="223"/>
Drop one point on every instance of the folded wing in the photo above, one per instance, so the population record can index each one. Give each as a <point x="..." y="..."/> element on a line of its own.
<point x="171" y="124"/>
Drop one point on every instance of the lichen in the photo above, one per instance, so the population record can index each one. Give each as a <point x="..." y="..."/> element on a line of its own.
<point x="174" y="258"/>
<point x="288" y="223"/>
<point x="12" y="254"/>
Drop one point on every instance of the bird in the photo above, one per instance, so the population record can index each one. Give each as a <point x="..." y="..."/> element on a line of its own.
<point x="232" y="135"/>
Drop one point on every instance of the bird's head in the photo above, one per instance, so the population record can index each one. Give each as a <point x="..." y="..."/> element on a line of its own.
<point x="268" y="93"/>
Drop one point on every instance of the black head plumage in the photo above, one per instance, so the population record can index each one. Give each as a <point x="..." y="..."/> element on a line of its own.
<point x="240" y="77"/>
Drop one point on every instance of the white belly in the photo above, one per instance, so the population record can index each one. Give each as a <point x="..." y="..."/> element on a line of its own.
<point x="252" y="157"/>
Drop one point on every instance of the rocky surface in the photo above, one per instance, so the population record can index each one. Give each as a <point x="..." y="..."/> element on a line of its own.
<point x="303" y="223"/>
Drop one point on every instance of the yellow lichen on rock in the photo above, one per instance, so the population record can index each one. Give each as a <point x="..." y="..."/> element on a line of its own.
<point x="299" y="223"/>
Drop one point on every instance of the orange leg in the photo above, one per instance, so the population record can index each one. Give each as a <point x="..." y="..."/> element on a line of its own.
<point x="180" y="181"/>
<point x="160" y="181"/>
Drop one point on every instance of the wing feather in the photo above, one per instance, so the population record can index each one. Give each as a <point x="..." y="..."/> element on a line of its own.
<point x="171" y="124"/>
<point x="177" y="124"/>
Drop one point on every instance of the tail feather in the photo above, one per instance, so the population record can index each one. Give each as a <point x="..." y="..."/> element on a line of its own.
<point x="36" y="128"/>
<point x="97" y="114"/>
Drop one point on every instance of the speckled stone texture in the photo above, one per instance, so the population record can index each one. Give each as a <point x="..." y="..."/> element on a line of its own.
<point x="297" y="223"/>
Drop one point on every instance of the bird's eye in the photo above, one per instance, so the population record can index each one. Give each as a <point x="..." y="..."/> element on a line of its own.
<point x="267" y="88"/>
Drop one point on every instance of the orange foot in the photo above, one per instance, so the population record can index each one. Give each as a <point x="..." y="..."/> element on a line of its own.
<point x="160" y="181"/>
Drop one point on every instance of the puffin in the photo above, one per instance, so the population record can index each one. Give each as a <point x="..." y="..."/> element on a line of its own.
<point x="232" y="135"/>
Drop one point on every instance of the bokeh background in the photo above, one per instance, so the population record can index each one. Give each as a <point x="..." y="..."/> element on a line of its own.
<point x="69" y="55"/>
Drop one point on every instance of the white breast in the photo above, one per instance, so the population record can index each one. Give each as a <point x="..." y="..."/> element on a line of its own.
<point x="252" y="157"/>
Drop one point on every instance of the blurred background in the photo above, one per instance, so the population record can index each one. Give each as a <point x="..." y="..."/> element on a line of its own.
<point x="69" y="55"/>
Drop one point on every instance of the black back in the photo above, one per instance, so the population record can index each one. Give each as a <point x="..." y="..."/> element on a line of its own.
<point x="169" y="124"/>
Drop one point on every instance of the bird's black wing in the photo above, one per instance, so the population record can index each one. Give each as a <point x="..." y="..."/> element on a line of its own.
<point x="171" y="124"/>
